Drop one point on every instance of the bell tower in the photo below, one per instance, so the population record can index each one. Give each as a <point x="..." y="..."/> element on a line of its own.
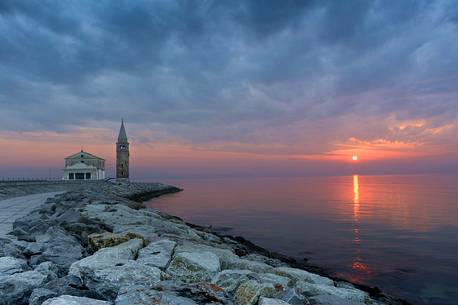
<point x="122" y="154"/>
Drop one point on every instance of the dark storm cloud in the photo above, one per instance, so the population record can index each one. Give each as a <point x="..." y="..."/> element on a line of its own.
<point x="206" y="70"/>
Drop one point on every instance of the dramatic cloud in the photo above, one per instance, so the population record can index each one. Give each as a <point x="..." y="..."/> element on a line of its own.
<point x="263" y="77"/>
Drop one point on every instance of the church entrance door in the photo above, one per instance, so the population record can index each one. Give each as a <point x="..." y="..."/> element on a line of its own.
<point x="79" y="176"/>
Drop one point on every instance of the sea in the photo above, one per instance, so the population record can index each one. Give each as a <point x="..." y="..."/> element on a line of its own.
<point x="398" y="233"/>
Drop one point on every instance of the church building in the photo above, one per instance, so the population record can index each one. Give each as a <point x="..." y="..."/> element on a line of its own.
<point x="86" y="166"/>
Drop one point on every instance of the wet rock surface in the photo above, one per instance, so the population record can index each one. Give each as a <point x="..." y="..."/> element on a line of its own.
<point x="98" y="247"/>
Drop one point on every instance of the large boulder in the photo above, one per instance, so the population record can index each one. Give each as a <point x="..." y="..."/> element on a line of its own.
<point x="222" y="251"/>
<point x="341" y="295"/>
<point x="9" y="247"/>
<point x="328" y="299"/>
<point x="249" y="292"/>
<point x="144" y="222"/>
<point x="300" y="275"/>
<point x="269" y="301"/>
<point x="157" y="254"/>
<point x="147" y="232"/>
<point x="267" y="285"/>
<point x="227" y="258"/>
<point x="39" y="295"/>
<point x="85" y="226"/>
<point x="16" y="288"/>
<point x="29" y="226"/>
<point x="107" y="257"/>
<point x="139" y="295"/>
<point x="72" y="300"/>
<point x="279" y="282"/>
<point x="116" y="215"/>
<point x="106" y="282"/>
<point x="10" y="265"/>
<point x="111" y="268"/>
<point x="234" y="262"/>
<point x="229" y="280"/>
<point x="49" y="269"/>
<point x="264" y="259"/>
<point x="57" y="246"/>
<point x="98" y="241"/>
<point x="194" y="266"/>
<point x="66" y="285"/>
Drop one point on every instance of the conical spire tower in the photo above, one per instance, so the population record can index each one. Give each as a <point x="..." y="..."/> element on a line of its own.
<point x="122" y="154"/>
<point x="122" y="137"/>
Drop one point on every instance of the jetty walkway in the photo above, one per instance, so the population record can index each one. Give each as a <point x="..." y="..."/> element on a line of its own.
<point x="14" y="208"/>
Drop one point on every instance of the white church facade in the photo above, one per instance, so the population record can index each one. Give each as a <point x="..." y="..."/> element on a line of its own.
<point x="84" y="166"/>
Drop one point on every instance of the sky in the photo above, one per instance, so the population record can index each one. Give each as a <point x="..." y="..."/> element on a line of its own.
<point x="230" y="88"/>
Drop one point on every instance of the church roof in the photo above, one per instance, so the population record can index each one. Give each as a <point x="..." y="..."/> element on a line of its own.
<point x="122" y="137"/>
<point x="85" y="154"/>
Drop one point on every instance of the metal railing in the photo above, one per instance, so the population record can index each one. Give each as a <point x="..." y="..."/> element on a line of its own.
<point x="16" y="179"/>
<point x="37" y="181"/>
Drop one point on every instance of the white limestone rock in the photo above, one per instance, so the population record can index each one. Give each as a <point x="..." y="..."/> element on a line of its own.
<point x="194" y="266"/>
<point x="157" y="254"/>
<point x="115" y="215"/>
<point x="228" y="259"/>
<point x="148" y="232"/>
<point x="39" y="295"/>
<point x="138" y="295"/>
<point x="302" y="275"/>
<point x="229" y="280"/>
<point x="269" y="301"/>
<point x="248" y="293"/>
<point x="11" y="247"/>
<point x="98" y="241"/>
<point x="352" y="295"/>
<point x="327" y="299"/>
<point x="121" y="217"/>
<point x="106" y="282"/>
<point x="71" y="300"/>
<point x="240" y="263"/>
<point x="107" y="257"/>
<point x="280" y="282"/>
<point x="49" y="269"/>
<point x="10" y="265"/>
<point x="264" y="259"/>
<point x="17" y="287"/>
<point x="58" y="247"/>
<point x="111" y="268"/>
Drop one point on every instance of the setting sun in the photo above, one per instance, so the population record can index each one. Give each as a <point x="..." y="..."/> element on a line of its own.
<point x="354" y="158"/>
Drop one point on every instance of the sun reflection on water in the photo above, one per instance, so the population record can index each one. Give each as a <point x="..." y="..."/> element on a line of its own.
<point x="356" y="197"/>
<point x="362" y="269"/>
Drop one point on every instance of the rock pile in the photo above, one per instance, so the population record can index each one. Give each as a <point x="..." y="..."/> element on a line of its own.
<point x="97" y="247"/>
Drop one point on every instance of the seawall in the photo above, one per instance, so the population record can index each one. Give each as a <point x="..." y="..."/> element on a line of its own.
<point x="97" y="244"/>
<point x="136" y="191"/>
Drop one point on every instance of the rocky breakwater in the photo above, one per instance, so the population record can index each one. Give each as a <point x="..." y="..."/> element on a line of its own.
<point x="97" y="247"/>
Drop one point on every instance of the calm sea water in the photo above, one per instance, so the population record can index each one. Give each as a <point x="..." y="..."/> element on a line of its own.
<point x="399" y="233"/>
